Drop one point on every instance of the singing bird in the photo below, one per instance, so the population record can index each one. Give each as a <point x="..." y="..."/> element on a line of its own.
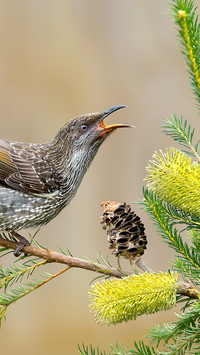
<point x="38" y="180"/>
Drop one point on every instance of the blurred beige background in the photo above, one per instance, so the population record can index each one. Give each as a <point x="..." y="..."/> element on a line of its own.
<point x="60" y="59"/>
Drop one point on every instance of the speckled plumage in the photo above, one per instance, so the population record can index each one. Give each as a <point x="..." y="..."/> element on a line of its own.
<point x="38" y="180"/>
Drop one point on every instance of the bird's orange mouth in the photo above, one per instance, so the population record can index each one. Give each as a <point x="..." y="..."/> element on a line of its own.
<point x="106" y="129"/>
<point x="103" y="128"/>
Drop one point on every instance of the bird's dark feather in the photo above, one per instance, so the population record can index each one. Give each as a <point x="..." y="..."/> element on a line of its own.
<point x="22" y="168"/>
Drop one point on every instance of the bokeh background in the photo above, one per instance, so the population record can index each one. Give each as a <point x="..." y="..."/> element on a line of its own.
<point x="60" y="59"/>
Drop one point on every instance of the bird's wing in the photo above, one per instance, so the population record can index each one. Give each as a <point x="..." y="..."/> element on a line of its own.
<point x="6" y="165"/>
<point x="23" y="168"/>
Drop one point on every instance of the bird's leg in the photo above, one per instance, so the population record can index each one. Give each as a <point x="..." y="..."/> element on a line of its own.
<point x="22" y="243"/>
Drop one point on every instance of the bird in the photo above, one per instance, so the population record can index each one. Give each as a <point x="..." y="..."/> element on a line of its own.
<point x="37" y="180"/>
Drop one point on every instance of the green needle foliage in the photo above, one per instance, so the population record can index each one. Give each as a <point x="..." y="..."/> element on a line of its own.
<point x="140" y="349"/>
<point x="115" y="350"/>
<point x="185" y="253"/>
<point x="184" y="15"/>
<point x="185" y="332"/>
<point x="84" y="350"/>
<point x="11" y="279"/>
<point x="180" y="130"/>
<point x="16" y="281"/>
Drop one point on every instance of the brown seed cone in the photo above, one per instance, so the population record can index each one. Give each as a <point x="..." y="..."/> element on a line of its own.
<point x="125" y="230"/>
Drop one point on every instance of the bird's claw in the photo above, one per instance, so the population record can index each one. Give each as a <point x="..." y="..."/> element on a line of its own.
<point x="22" y="243"/>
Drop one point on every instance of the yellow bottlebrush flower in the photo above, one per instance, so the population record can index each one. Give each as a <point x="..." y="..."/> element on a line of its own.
<point x="175" y="179"/>
<point x="115" y="301"/>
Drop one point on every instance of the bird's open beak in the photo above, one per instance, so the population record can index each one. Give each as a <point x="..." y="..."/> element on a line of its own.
<point x="109" y="128"/>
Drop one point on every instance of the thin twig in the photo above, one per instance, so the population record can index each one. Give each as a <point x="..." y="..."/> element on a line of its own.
<point x="141" y="264"/>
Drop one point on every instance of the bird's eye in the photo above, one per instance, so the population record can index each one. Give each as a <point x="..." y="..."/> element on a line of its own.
<point x="84" y="127"/>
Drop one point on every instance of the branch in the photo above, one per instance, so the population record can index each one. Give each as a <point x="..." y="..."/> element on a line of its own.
<point x="188" y="289"/>
<point x="184" y="288"/>
<point x="52" y="256"/>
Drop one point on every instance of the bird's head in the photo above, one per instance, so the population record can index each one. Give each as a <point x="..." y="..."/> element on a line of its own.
<point x="87" y="132"/>
<point x="81" y="137"/>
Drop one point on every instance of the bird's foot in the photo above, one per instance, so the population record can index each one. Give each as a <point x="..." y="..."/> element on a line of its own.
<point x="22" y="243"/>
